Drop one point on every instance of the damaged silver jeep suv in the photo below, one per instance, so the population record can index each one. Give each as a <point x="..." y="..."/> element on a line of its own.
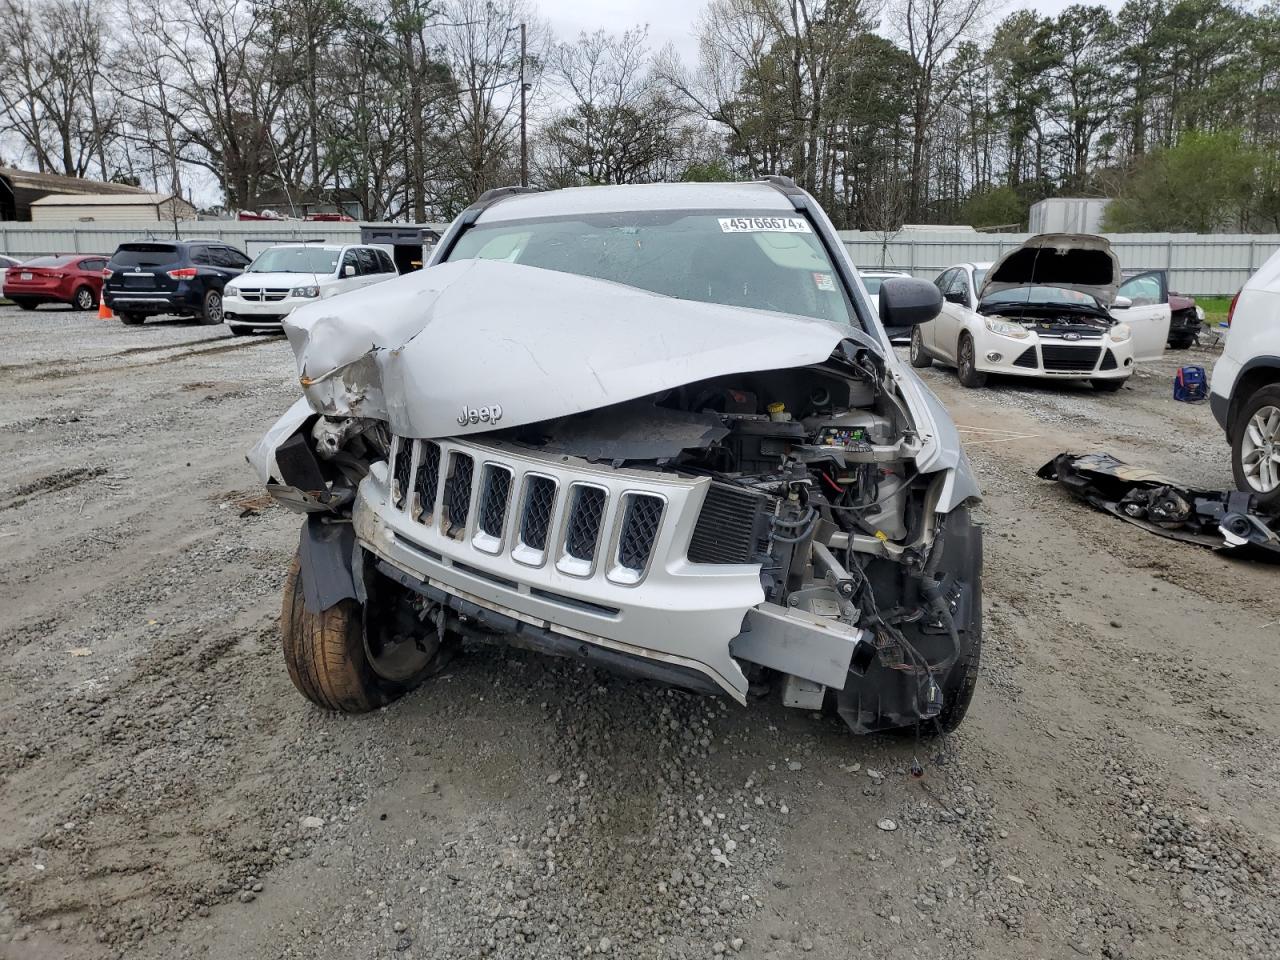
<point x="657" y="428"/>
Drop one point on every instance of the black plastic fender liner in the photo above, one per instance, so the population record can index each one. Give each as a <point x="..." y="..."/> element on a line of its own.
<point x="884" y="698"/>
<point x="324" y="554"/>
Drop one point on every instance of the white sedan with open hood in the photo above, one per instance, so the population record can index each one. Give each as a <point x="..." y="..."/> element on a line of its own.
<point x="657" y="428"/>
<point x="1042" y="310"/>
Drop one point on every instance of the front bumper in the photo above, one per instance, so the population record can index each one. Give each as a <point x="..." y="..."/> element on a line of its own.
<point x="238" y="311"/>
<point x="1054" y="359"/>
<point x="678" y="613"/>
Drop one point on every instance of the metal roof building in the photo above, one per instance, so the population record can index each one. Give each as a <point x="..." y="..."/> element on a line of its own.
<point x="19" y="188"/>
<point x="111" y="207"/>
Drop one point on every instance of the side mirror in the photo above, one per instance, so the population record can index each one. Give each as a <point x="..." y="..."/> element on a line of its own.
<point x="906" y="301"/>
<point x="348" y="271"/>
<point x="1121" y="303"/>
<point x="956" y="296"/>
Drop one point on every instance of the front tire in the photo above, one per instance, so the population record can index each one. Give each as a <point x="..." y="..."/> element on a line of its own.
<point x="1255" y="447"/>
<point x="966" y="365"/>
<point x="1182" y="343"/>
<point x="211" y="308"/>
<point x="919" y="359"/>
<point x="242" y="331"/>
<point x="329" y="659"/>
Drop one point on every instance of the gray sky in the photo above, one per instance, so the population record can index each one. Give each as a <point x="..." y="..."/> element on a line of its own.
<point x="674" y="21"/>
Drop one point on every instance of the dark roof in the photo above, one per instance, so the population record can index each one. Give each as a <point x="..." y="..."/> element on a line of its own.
<point x="54" y="183"/>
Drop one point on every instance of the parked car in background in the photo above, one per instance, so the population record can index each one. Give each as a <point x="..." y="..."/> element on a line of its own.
<point x="872" y="279"/>
<point x="183" y="278"/>
<point x="5" y="264"/>
<point x="1244" y="392"/>
<point x="1149" y="295"/>
<point x="284" y="277"/>
<point x="1039" y="311"/>
<point x="74" y="278"/>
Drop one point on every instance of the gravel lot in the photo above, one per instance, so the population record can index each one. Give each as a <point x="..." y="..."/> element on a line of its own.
<point x="164" y="792"/>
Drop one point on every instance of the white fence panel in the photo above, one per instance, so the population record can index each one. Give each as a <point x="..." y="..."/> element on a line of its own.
<point x="1198" y="264"/>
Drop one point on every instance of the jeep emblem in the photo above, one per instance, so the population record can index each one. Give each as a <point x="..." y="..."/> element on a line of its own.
<point x="491" y="414"/>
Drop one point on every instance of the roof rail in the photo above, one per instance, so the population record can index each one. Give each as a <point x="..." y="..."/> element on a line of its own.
<point x="787" y="187"/>
<point x="489" y="198"/>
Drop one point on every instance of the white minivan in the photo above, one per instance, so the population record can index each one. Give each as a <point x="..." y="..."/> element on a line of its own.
<point x="284" y="277"/>
<point x="1244" y="392"/>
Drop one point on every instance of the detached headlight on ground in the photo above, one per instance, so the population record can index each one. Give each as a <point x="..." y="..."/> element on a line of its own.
<point x="306" y="291"/>
<point x="1120" y="333"/>
<point x="1007" y="329"/>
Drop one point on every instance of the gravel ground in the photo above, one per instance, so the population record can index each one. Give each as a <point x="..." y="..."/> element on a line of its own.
<point x="164" y="793"/>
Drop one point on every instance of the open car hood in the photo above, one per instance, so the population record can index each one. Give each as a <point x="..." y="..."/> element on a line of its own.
<point x="465" y="347"/>
<point x="1074" y="261"/>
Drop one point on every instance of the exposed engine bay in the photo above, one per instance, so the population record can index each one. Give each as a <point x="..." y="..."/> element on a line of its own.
<point x="1051" y="319"/>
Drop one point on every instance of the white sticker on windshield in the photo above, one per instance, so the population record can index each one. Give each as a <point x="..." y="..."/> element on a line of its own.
<point x="764" y="225"/>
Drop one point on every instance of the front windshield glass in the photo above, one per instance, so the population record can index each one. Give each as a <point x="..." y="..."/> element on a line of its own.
<point x="979" y="274"/>
<point x="1040" y="296"/>
<point x="295" y="260"/>
<point x="873" y="285"/>
<point x="737" y="259"/>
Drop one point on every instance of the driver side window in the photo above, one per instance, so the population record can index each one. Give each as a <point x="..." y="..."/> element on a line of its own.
<point x="957" y="289"/>
<point x="1143" y="290"/>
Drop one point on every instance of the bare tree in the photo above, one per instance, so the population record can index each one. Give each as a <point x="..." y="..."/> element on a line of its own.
<point x="480" y="41"/>
<point x="930" y="30"/>
<point x="617" y="123"/>
<point x="51" y="68"/>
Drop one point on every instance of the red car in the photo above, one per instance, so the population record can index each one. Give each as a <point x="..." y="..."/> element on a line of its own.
<point x="74" y="278"/>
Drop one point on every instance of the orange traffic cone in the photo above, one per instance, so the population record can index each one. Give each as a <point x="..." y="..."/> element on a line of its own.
<point x="104" y="312"/>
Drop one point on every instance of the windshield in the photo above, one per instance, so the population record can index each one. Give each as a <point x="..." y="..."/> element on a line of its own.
<point x="979" y="274"/>
<point x="295" y="260"/>
<point x="741" y="260"/>
<point x="1040" y="296"/>
<point x="873" y="284"/>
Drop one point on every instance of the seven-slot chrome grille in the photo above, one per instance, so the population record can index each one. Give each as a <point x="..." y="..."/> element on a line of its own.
<point x="505" y="506"/>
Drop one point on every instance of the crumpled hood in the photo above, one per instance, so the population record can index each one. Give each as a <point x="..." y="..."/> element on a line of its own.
<point x="461" y="347"/>
<point x="1074" y="261"/>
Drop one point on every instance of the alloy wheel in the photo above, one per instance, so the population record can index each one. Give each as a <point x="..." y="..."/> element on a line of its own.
<point x="1260" y="449"/>
<point x="213" y="308"/>
<point x="84" y="299"/>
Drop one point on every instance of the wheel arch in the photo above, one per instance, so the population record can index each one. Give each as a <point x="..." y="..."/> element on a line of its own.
<point x="1253" y="376"/>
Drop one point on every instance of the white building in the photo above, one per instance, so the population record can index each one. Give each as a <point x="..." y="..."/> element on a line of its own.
<point x="1068" y="215"/>
<point x="111" y="208"/>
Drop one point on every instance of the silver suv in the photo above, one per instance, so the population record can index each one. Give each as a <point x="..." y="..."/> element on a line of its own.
<point x="658" y="428"/>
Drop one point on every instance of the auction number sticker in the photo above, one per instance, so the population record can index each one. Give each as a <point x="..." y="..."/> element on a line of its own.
<point x="764" y="225"/>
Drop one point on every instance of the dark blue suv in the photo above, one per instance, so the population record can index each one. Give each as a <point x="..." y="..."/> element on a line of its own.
<point x="182" y="278"/>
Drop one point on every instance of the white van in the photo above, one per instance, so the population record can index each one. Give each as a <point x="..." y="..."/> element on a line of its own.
<point x="287" y="276"/>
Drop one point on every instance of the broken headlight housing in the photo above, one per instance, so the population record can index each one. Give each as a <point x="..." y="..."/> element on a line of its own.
<point x="1120" y="333"/>
<point x="309" y="292"/>
<point x="1006" y="329"/>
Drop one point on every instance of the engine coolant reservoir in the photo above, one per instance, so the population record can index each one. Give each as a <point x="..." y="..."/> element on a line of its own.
<point x="889" y="513"/>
